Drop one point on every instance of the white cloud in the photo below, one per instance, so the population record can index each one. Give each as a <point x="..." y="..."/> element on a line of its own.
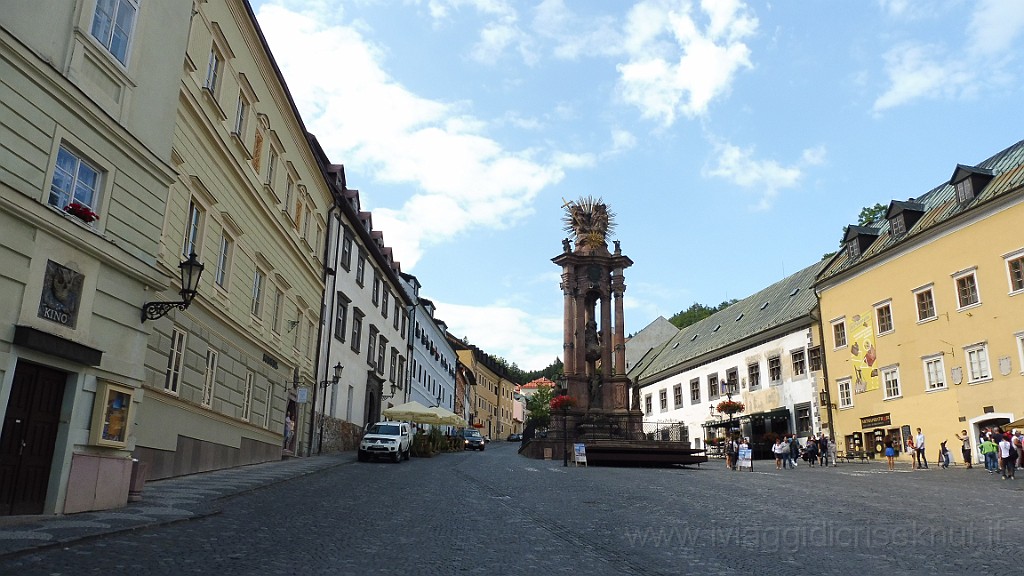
<point x="530" y="341"/>
<point x="740" y="167"/>
<point x="674" y="66"/>
<point x="931" y="71"/>
<point x="364" y="117"/>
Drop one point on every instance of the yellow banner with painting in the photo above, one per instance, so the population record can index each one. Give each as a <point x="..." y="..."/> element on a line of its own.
<point x="863" y="355"/>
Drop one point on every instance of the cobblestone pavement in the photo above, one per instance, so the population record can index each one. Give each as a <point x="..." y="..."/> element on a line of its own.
<point x="495" y="513"/>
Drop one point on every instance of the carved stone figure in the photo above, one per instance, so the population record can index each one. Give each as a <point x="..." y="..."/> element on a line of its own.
<point x="592" y="342"/>
<point x="590" y="221"/>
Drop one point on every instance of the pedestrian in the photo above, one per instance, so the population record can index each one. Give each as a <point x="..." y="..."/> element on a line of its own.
<point x="289" y="430"/>
<point x="919" y="443"/>
<point x="965" y="447"/>
<point x="811" y="451"/>
<point x="823" y="450"/>
<point x="912" y="452"/>
<point x="794" y="450"/>
<point x="988" y="451"/>
<point x="780" y="450"/>
<point x="1007" y="457"/>
<point x="890" y="454"/>
<point x="833" y="451"/>
<point x="944" y="455"/>
<point x="732" y="453"/>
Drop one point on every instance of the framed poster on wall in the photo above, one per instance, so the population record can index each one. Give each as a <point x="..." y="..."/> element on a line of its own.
<point x="111" y="415"/>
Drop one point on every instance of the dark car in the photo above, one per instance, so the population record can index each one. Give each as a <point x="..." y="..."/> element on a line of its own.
<point x="471" y="439"/>
<point x="515" y="438"/>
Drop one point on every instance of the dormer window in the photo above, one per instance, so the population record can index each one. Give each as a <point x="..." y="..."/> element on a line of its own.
<point x="853" y="249"/>
<point x="897" y="225"/>
<point x="964" y="191"/>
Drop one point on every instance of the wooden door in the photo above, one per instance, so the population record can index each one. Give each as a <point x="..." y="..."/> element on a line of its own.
<point x="28" y="438"/>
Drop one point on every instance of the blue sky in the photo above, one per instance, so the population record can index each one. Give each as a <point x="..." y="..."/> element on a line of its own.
<point x="733" y="140"/>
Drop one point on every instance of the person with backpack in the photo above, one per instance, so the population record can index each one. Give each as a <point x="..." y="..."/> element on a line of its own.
<point x="988" y="450"/>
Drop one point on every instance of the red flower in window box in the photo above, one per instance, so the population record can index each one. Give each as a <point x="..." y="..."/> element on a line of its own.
<point x="82" y="212"/>
<point x="730" y="407"/>
<point x="562" y="402"/>
<point x="478" y="425"/>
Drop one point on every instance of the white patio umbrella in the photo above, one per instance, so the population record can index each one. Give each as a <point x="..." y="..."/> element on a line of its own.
<point x="413" y="412"/>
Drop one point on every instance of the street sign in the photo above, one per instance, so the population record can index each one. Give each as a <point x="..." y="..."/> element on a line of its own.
<point x="301" y="395"/>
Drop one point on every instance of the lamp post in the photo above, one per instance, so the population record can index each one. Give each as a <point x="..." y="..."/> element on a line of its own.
<point x="191" y="270"/>
<point x="323" y="404"/>
<point x="565" y="417"/>
<point x="394" y="390"/>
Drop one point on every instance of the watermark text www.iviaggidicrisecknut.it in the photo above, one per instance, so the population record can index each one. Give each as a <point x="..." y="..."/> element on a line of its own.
<point x="823" y="534"/>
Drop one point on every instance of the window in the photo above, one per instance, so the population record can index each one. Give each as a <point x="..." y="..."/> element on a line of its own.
<point x="74" y="180"/>
<point x="934" y="374"/>
<point x="371" y="347"/>
<point x="357" y="329"/>
<point x="799" y="358"/>
<point x="803" y="419"/>
<point x="774" y="370"/>
<point x="241" y="116"/>
<point x="270" y="400"/>
<point x="897" y="225"/>
<point x="310" y="339"/>
<point x="193" y="226"/>
<point x="296" y="329"/>
<point x="1020" y="349"/>
<point x="397" y="315"/>
<point x="814" y="358"/>
<point x="393" y="371"/>
<point x="405" y="322"/>
<point x="224" y="261"/>
<point x="211" y="376"/>
<point x="695" y="391"/>
<point x="275" y="318"/>
<point x="257" y="293"/>
<point x="213" y="70"/>
<point x="175" y="360"/>
<point x="346" y="250"/>
<point x="883" y="312"/>
<point x="112" y="26"/>
<point x="341" y="317"/>
<point x="731" y="385"/>
<point x="754" y="375"/>
<point x="272" y="167"/>
<point x="853" y="249"/>
<point x="648" y="408"/>
<point x="966" y="290"/>
<point x="845" y="393"/>
<point x="289" y="187"/>
<point x="891" y="380"/>
<point x="713" y="391"/>
<point x="925" y="304"/>
<point x="247" y="397"/>
<point x="375" y="298"/>
<point x="677" y="396"/>
<point x="361" y="268"/>
<point x="839" y="333"/>
<point x="385" y="296"/>
<point x="964" y="191"/>
<point x="977" y="363"/>
<point x="382" y="350"/>
<point x="663" y="400"/>
<point x="1015" y="269"/>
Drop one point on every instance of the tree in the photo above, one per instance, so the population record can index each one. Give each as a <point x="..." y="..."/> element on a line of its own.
<point x="697" y="312"/>
<point x="871" y="214"/>
<point x="538" y="406"/>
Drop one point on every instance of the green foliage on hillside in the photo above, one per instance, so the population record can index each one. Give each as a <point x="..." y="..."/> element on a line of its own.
<point x="697" y="312"/>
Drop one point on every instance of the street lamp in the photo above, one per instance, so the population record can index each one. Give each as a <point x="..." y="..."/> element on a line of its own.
<point x="565" y="417"/>
<point x="191" y="270"/>
<point x="394" y="389"/>
<point x="826" y="400"/>
<point x="323" y="404"/>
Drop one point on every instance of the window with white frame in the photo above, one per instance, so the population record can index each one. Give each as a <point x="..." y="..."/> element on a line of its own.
<point x="1020" y="349"/>
<point x="883" y="313"/>
<point x="964" y="190"/>
<point x="397" y="317"/>
<point x="257" y="293"/>
<point x="361" y="268"/>
<point x="289" y="187"/>
<point x="799" y="358"/>
<point x="75" y="180"/>
<point x="774" y="370"/>
<point x="269" y="404"/>
<point x="1015" y="271"/>
<point x="346" y="249"/>
<point x="223" y="271"/>
<point x="648" y="404"/>
<point x="977" y="363"/>
<point x="241" y="116"/>
<point x="175" y="361"/>
<point x="677" y="396"/>
<point x="211" y="376"/>
<point x="695" y="391"/>
<point x="839" y="333"/>
<point x="247" y="397"/>
<point x="113" y="23"/>
<point x="897" y="225"/>
<point x="193" y="230"/>
<point x="272" y="167"/>
<point x="214" y="68"/>
<point x="713" y="390"/>
<point x="934" y="373"/>
<point x="845" y="392"/>
<point x="925" y="300"/>
<point x="375" y="297"/>
<point x="814" y="360"/>
<point x="663" y="399"/>
<point x="278" y="312"/>
<point x="891" y="381"/>
<point x="966" y="289"/>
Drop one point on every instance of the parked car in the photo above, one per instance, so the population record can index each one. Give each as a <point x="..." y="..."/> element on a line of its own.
<point x="515" y="438"/>
<point x="471" y="439"/>
<point x="388" y="439"/>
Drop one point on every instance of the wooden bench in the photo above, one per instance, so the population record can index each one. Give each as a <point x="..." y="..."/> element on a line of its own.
<point x="852" y="455"/>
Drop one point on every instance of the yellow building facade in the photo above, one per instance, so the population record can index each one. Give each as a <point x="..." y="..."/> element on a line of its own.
<point x="923" y="314"/>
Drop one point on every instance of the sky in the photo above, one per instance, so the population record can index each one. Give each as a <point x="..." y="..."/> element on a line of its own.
<point x="732" y="140"/>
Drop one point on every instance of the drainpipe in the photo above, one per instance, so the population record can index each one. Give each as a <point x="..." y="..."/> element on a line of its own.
<point x="816" y="315"/>
<point x="327" y="271"/>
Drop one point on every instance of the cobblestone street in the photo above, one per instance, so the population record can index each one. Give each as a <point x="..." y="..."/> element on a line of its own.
<point x="495" y="512"/>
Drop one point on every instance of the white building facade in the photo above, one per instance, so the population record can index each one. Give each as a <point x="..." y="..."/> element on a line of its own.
<point x="432" y="374"/>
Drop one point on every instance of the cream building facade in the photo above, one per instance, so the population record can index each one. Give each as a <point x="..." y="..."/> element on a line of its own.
<point x="87" y="116"/>
<point x="923" y="313"/>
<point x="226" y="377"/>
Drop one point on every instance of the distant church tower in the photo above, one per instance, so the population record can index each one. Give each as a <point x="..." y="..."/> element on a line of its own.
<point x="593" y="347"/>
